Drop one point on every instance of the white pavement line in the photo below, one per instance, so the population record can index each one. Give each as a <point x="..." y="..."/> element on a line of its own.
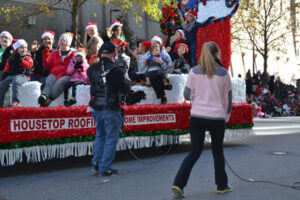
<point x="276" y="127"/>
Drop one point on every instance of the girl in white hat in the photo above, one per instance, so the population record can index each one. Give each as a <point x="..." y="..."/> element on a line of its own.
<point x="16" y="72"/>
<point x="92" y="40"/>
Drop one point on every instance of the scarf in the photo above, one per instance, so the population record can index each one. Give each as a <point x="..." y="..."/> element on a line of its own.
<point x="189" y="27"/>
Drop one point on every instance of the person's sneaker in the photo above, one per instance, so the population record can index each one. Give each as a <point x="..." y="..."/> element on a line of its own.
<point x="110" y="172"/>
<point x="15" y="104"/>
<point x="222" y="190"/>
<point x="95" y="168"/>
<point x="168" y="87"/>
<point x="178" y="192"/>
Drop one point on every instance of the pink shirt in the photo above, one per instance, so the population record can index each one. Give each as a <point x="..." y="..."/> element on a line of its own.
<point x="212" y="97"/>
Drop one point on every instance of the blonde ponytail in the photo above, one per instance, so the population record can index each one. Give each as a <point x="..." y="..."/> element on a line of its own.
<point x="207" y="61"/>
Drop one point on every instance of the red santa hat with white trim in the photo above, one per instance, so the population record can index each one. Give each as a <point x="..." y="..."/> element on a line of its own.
<point x="158" y="39"/>
<point x="49" y="34"/>
<point x="192" y="12"/>
<point x="69" y="37"/>
<point x="19" y="43"/>
<point x="182" y="33"/>
<point x="115" y="23"/>
<point x="91" y="25"/>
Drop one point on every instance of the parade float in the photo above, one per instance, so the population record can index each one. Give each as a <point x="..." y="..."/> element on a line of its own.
<point x="30" y="133"/>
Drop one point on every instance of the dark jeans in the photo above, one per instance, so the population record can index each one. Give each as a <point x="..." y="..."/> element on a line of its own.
<point x="197" y="131"/>
<point x="156" y="79"/>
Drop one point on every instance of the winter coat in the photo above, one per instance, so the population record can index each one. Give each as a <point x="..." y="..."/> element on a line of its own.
<point x="93" y="46"/>
<point x="5" y="56"/>
<point x="19" y="65"/>
<point x="79" y="74"/>
<point x="40" y="58"/>
<point x="56" y="66"/>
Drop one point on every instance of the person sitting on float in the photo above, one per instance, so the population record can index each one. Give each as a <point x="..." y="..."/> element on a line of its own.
<point x="179" y="38"/>
<point x="156" y="79"/>
<point x="16" y="72"/>
<point x="122" y="60"/>
<point x="92" y="40"/>
<point x="57" y="64"/>
<point x="115" y="31"/>
<point x="40" y="56"/>
<point x="181" y="65"/>
<point x="190" y="26"/>
<point x="77" y="69"/>
<point x="5" y="49"/>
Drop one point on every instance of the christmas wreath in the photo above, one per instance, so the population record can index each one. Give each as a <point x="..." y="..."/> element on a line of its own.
<point x="169" y="14"/>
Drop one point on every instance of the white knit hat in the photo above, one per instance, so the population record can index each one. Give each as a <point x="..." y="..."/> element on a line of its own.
<point x="6" y="33"/>
<point x="69" y="37"/>
<point x="19" y="43"/>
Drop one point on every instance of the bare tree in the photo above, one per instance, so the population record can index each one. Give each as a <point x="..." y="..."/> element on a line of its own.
<point x="264" y="25"/>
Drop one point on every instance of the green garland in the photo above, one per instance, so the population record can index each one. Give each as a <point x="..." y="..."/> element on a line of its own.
<point x="90" y="138"/>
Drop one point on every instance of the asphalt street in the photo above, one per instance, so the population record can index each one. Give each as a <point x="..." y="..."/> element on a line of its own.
<point x="252" y="158"/>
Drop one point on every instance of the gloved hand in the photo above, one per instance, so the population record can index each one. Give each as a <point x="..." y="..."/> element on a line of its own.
<point x="78" y="65"/>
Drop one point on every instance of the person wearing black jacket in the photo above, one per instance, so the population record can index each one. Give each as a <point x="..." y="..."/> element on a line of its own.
<point x="40" y="56"/>
<point x="107" y="84"/>
<point x="5" y="49"/>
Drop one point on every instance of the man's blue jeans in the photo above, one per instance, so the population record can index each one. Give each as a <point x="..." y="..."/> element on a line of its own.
<point x="107" y="135"/>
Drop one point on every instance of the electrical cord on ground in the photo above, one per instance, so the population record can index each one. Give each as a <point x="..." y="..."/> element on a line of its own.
<point x="165" y="154"/>
<point x="295" y="185"/>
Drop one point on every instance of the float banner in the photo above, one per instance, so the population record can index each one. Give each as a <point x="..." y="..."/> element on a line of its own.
<point x="32" y="123"/>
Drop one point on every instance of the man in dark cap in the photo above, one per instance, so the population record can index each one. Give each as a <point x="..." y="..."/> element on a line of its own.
<point x="107" y="84"/>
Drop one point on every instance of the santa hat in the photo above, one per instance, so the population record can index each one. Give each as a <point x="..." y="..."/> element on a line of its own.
<point x="182" y="33"/>
<point x="91" y="25"/>
<point x="158" y="39"/>
<point x="49" y="34"/>
<point x="120" y="42"/>
<point x="91" y="59"/>
<point x="6" y="33"/>
<point x="181" y="44"/>
<point x="69" y="37"/>
<point x="115" y="23"/>
<point x="19" y="43"/>
<point x="192" y="12"/>
<point x="81" y="52"/>
<point x="146" y="44"/>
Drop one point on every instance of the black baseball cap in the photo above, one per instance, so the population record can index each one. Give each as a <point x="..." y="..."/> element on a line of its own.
<point x="107" y="48"/>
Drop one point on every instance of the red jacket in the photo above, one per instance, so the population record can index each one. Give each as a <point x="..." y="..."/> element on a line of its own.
<point x="19" y="67"/>
<point x="56" y="66"/>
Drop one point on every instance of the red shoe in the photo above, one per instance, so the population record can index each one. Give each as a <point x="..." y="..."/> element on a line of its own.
<point x="15" y="104"/>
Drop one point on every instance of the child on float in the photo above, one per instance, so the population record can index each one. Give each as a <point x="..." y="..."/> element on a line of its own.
<point x="139" y="77"/>
<point x="6" y="40"/>
<point x="77" y="69"/>
<point x="190" y="27"/>
<point x="16" y="72"/>
<point x="180" y="64"/>
<point x="179" y="38"/>
<point x="115" y="31"/>
<point x="155" y="67"/>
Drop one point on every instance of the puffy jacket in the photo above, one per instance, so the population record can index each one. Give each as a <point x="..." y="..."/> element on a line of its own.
<point x="56" y="66"/>
<point x="106" y="94"/>
<point x="79" y="74"/>
<point x="5" y="56"/>
<point x="40" y="60"/>
<point x="19" y="65"/>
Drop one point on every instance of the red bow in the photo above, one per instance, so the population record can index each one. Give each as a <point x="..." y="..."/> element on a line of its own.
<point x="168" y="12"/>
